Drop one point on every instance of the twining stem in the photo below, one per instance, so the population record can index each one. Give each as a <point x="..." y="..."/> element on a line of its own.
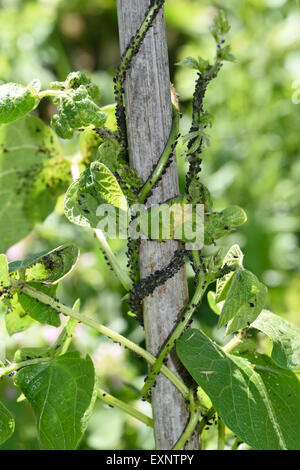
<point x="119" y="271"/>
<point x="44" y="298"/>
<point x="236" y="443"/>
<point x="221" y="435"/>
<point x="161" y="164"/>
<point x="193" y="421"/>
<point x="112" y="401"/>
<point x="209" y="415"/>
<point x="177" y="332"/>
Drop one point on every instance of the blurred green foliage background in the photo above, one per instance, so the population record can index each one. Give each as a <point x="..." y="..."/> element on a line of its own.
<point x="253" y="161"/>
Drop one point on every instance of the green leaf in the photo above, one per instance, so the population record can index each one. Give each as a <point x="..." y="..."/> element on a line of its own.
<point x="220" y="26"/>
<point x="76" y="108"/>
<point x="259" y="402"/>
<point x="25" y="354"/>
<point x="110" y="111"/>
<point x="174" y="217"/>
<point x="108" y="155"/>
<point x="225" y="54"/>
<point x="7" y="424"/>
<point x="16" y="101"/>
<point x="33" y="174"/>
<point x="218" y="224"/>
<point x="49" y="266"/>
<point x="234" y="257"/>
<point x="74" y="80"/>
<point x="189" y="62"/>
<point x="107" y="185"/>
<point x="17" y="319"/>
<point x="94" y="187"/>
<point x="244" y="302"/>
<point x="89" y="142"/>
<point x="201" y="64"/>
<point x="285" y="337"/>
<point x="233" y="216"/>
<point x="38" y="310"/>
<point x="62" y="393"/>
<point x="211" y="299"/>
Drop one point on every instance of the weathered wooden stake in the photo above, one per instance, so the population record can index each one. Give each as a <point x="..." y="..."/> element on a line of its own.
<point x="149" y="118"/>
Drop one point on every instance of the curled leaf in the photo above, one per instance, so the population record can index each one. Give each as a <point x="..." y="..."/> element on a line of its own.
<point x="16" y="101"/>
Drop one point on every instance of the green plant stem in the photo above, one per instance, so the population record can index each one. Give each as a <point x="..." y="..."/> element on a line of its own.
<point x="46" y="93"/>
<point x="236" y="443"/>
<point x="6" y="370"/>
<point x="233" y="343"/>
<point x="187" y="316"/>
<point x="112" y="401"/>
<point x="193" y="421"/>
<point x="168" y="150"/>
<point x="44" y="298"/>
<point x="209" y="415"/>
<point x="119" y="271"/>
<point x="221" y="435"/>
<point x="196" y="259"/>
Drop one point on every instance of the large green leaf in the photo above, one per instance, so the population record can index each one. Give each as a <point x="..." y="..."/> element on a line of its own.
<point x="258" y="401"/>
<point x="50" y="266"/>
<point x="32" y="175"/>
<point x="7" y="424"/>
<point x="285" y="337"/>
<point x="244" y="302"/>
<point x="62" y="393"/>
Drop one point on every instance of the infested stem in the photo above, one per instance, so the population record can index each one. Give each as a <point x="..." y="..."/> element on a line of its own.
<point x="163" y="160"/>
<point x="193" y="421"/>
<point x="119" y="271"/>
<point x="187" y="316"/>
<point x="44" y="298"/>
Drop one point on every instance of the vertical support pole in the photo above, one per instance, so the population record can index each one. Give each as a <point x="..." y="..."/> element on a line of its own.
<point x="148" y="120"/>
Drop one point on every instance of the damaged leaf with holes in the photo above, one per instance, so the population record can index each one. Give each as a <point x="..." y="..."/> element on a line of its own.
<point x="76" y="108"/>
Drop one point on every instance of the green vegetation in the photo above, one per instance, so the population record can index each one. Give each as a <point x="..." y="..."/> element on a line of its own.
<point x="250" y="159"/>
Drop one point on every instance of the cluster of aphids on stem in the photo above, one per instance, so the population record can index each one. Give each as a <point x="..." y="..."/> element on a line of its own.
<point x="143" y="288"/>
<point x="131" y="50"/>
<point x="146" y="286"/>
